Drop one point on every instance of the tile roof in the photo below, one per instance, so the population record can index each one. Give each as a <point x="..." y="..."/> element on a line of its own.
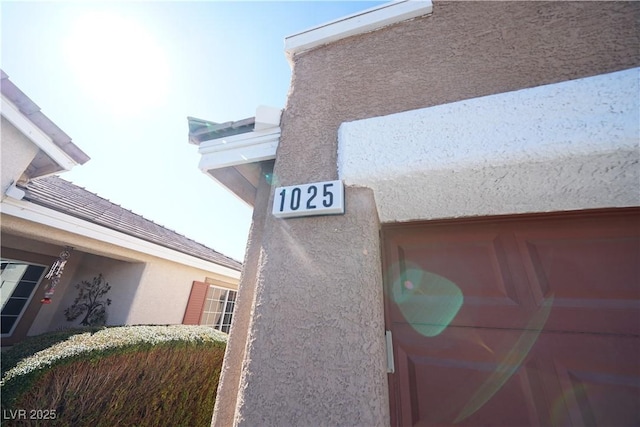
<point x="63" y="196"/>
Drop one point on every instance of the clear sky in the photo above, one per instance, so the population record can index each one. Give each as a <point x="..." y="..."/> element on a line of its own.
<point x="120" y="78"/>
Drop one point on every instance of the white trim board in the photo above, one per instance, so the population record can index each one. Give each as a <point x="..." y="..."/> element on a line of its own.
<point x="564" y="146"/>
<point x="357" y="23"/>
<point x="239" y="149"/>
<point x="37" y="136"/>
<point x="50" y="218"/>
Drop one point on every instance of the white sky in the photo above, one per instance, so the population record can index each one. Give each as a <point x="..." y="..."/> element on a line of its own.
<point x="120" y="78"/>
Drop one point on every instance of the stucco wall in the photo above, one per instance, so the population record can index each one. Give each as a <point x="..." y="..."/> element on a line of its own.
<point x="123" y="278"/>
<point x="164" y="292"/>
<point x="17" y="153"/>
<point x="315" y="350"/>
<point x="315" y="354"/>
<point x="229" y="383"/>
<point x="463" y="50"/>
<point x="563" y="146"/>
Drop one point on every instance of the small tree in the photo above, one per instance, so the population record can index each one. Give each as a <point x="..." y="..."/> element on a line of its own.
<point x="90" y="302"/>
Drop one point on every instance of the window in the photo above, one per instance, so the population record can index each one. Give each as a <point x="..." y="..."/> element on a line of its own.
<point x="19" y="281"/>
<point x="218" y="308"/>
<point x="210" y="305"/>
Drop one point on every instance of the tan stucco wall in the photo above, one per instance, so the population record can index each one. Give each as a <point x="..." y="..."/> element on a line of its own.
<point x="315" y="350"/>
<point x="229" y="383"/>
<point x="145" y="289"/>
<point x="17" y="153"/>
<point x="463" y="50"/>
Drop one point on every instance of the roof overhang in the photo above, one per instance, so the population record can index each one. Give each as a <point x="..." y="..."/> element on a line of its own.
<point x="45" y="216"/>
<point x="56" y="151"/>
<point x="358" y="23"/>
<point x="232" y="153"/>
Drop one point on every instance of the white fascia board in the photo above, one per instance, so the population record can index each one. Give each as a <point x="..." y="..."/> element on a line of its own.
<point x="357" y="23"/>
<point x="36" y="135"/>
<point x="50" y="218"/>
<point x="240" y="149"/>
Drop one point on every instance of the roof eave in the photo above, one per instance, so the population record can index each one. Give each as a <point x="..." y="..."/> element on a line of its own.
<point x="358" y="23"/>
<point x="25" y="114"/>
<point x="232" y="153"/>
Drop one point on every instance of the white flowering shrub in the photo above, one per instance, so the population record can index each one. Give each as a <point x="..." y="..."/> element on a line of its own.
<point x="110" y="338"/>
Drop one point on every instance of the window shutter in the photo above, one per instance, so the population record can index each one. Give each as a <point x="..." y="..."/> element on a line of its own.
<point x="196" y="303"/>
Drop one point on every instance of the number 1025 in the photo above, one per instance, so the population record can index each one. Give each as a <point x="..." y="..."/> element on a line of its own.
<point x="319" y="198"/>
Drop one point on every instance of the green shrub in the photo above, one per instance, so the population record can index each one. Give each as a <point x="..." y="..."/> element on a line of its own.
<point x="142" y="376"/>
<point x="32" y="345"/>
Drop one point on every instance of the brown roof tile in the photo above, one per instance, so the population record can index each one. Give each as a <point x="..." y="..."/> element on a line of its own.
<point x="63" y="196"/>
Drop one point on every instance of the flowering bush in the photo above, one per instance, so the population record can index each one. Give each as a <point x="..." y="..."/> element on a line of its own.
<point x="112" y="338"/>
<point x="134" y="375"/>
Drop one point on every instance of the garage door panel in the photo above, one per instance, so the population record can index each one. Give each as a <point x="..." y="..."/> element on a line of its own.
<point x="599" y="377"/>
<point x="475" y="371"/>
<point x="583" y="268"/>
<point x="598" y="319"/>
<point x="478" y="266"/>
<point x="547" y="331"/>
<point x="473" y="265"/>
<point x="596" y="403"/>
<point x="488" y="377"/>
<point x="593" y="280"/>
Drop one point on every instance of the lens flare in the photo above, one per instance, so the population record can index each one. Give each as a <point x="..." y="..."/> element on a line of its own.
<point x="427" y="301"/>
<point x="559" y="406"/>
<point x="511" y="362"/>
<point x="271" y="179"/>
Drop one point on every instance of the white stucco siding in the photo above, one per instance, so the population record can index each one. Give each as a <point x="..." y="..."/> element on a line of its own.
<point x="564" y="146"/>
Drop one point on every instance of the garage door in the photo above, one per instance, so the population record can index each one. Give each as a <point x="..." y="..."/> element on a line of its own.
<point x="531" y="320"/>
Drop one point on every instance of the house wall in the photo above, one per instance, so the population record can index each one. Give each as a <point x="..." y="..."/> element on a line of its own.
<point x="123" y="277"/>
<point x="145" y="289"/>
<point x="17" y="153"/>
<point x="164" y="290"/>
<point x="315" y="350"/>
<point x="22" y="249"/>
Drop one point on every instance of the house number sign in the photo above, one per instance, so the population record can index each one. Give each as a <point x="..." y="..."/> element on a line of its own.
<point x="318" y="198"/>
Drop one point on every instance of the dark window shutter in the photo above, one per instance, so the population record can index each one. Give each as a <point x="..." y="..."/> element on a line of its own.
<point x="196" y="303"/>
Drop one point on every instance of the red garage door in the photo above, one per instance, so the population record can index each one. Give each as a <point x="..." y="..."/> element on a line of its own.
<point x="518" y="321"/>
